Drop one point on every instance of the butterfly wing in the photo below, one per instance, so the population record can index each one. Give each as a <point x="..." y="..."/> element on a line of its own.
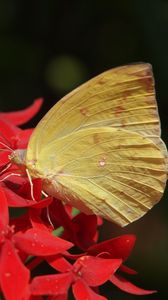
<point x="122" y="97"/>
<point x="84" y="156"/>
<point x="113" y="173"/>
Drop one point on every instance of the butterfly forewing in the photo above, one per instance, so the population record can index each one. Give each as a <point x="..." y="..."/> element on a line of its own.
<point x="122" y="97"/>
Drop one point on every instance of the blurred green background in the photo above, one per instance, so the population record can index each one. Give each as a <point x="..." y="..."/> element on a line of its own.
<point x="49" y="47"/>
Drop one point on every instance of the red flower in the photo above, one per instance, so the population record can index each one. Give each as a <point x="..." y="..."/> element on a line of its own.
<point x="86" y="273"/>
<point x="11" y="136"/>
<point x="14" y="276"/>
<point x="81" y="229"/>
<point x="117" y="248"/>
<point x="120" y="247"/>
<point x="30" y="242"/>
<point x="13" y="284"/>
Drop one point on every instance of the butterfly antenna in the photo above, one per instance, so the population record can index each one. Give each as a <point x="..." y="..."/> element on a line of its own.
<point x="9" y="175"/>
<point x="6" y="146"/>
<point x="31" y="184"/>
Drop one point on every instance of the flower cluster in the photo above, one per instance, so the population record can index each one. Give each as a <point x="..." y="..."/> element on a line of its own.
<point x="47" y="247"/>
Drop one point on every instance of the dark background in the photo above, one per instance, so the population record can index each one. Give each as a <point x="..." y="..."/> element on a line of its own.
<point x="49" y="47"/>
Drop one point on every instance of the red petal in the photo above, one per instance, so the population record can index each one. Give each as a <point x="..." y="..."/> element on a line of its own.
<point x="128" y="270"/>
<point x="14" y="276"/>
<point x="3" y="141"/>
<point x="41" y="243"/>
<point x="23" y="116"/>
<point x="99" y="221"/>
<point x="14" y="181"/>
<point x="81" y="230"/>
<point x="25" y="190"/>
<point x="4" y="157"/>
<point x="4" y="219"/>
<point x="119" y="247"/>
<point x="35" y="219"/>
<point x="94" y="270"/>
<point x="34" y="298"/>
<point x="59" y="297"/>
<point x="51" y="284"/>
<point x="128" y="287"/>
<point x="73" y="256"/>
<point x="43" y="203"/>
<point x="22" y="139"/>
<point x="15" y="200"/>
<point x="86" y="227"/>
<point x="21" y="223"/>
<point x="60" y="217"/>
<point x="59" y="263"/>
<point x="8" y="130"/>
<point x="69" y="210"/>
<point x="82" y="292"/>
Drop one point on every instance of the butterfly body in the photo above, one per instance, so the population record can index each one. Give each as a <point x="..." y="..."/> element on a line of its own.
<point x="99" y="148"/>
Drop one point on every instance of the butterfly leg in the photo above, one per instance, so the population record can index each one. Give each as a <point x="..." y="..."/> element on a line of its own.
<point x="31" y="184"/>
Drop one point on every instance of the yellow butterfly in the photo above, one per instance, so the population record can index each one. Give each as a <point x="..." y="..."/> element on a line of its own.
<point x="99" y="147"/>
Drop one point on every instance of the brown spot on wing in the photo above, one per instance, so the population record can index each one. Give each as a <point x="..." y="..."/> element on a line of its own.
<point x="96" y="138"/>
<point x="127" y="94"/>
<point x="123" y="124"/>
<point x="148" y="84"/>
<point x="84" y="111"/>
<point x="118" y="110"/>
<point x="102" y="80"/>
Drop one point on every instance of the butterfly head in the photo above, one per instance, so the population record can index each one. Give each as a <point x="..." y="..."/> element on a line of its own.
<point x="18" y="157"/>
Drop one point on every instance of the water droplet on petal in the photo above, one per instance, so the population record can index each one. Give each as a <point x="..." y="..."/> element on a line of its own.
<point x="7" y="274"/>
<point x="35" y="236"/>
<point x="82" y="258"/>
<point x="48" y="279"/>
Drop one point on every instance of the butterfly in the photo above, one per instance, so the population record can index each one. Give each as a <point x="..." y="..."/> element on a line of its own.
<point x="99" y="148"/>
